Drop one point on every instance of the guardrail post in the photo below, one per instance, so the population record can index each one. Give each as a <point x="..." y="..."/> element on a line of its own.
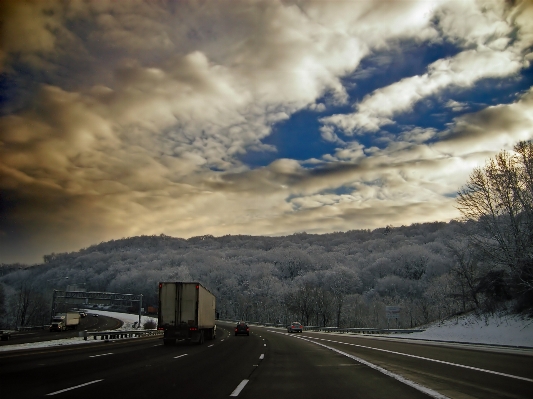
<point x="85" y="335"/>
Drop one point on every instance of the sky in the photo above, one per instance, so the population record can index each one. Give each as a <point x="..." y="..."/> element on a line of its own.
<point x="266" y="118"/>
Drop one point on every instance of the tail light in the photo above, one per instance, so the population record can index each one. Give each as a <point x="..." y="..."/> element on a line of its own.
<point x="160" y="328"/>
<point x="236" y="329"/>
<point x="193" y="329"/>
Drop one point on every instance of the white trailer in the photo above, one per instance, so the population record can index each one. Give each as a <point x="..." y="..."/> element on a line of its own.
<point x="65" y="321"/>
<point x="186" y="312"/>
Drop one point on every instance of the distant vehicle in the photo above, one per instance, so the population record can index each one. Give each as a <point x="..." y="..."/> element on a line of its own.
<point x="295" y="327"/>
<point x="82" y="314"/>
<point x="186" y="311"/>
<point x="95" y="315"/>
<point x="65" y="321"/>
<point x="5" y="335"/>
<point x="242" y="328"/>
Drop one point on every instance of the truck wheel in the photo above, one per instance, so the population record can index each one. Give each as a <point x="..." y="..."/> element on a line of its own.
<point x="201" y="340"/>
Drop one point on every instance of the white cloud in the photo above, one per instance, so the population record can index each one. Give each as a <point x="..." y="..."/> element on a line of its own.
<point x="418" y="135"/>
<point x="474" y="23"/>
<point x="456" y="106"/>
<point x="487" y="28"/>
<point x="320" y="107"/>
<point x="463" y="70"/>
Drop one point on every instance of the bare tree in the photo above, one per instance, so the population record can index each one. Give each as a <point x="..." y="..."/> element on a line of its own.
<point x="466" y="272"/>
<point x="499" y="197"/>
<point x="28" y="306"/>
<point x="325" y="305"/>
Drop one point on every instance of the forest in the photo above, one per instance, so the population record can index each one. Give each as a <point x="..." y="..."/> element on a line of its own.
<point x="432" y="271"/>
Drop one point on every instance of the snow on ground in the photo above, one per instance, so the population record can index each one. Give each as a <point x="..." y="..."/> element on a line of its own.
<point x="508" y="330"/>
<point x="491" y="330"/>
<point x="127" y="319"/>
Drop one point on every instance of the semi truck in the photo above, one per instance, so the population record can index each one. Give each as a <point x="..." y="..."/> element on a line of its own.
<point x="65" y="321"/>
<point x="186" y="312"/>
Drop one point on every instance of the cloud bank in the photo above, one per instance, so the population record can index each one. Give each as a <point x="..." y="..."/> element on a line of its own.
<point x="129" y="118"/>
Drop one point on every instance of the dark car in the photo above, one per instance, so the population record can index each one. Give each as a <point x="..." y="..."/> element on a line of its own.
<point x="242" y="328"/>
<point x="295" y="327"/>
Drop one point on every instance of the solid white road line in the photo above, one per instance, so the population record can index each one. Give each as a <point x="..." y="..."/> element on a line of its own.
<point x="429" y="360"/>
<point x="185" y="354"/>
<point x="421" y="388"/>
<point x="69" y="389"/>
<point x="418" y="387"/>
<point x="239" y="388"/>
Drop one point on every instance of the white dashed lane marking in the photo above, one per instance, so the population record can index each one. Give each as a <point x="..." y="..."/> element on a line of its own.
<point x="239" y="388"/>
<point x="71" y="388"/>
<point x="103" y="354"/>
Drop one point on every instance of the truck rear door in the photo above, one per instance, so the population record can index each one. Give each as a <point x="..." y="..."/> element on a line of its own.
<point x="189" y="295"/>
<point x="167" y="304"/>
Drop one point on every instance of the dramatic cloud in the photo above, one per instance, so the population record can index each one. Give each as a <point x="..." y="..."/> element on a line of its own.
<point x="494" y="56"/>
<point x="140" y="117"/>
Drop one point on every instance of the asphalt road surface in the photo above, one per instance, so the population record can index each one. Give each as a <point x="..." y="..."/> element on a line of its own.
<point x="270" y="363"/>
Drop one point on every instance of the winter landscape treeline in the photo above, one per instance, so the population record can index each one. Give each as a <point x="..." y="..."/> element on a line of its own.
<point x="432" y="271"/>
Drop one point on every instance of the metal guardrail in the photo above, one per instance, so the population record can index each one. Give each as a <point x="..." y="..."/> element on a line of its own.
<point x="352" y="330"/>
<point x="5" y="335"/>
<point x="363" y="330"/>
<point x="106" y="335"/>
<point x="32" y="328"/>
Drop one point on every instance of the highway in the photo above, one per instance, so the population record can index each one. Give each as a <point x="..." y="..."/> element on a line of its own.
<point x="89" y="323"/>
<point x="269" y="363"/>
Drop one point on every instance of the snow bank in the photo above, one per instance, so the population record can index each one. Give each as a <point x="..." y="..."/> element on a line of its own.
<point x="127" y="319"/>
<point x="509" y="330"/>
